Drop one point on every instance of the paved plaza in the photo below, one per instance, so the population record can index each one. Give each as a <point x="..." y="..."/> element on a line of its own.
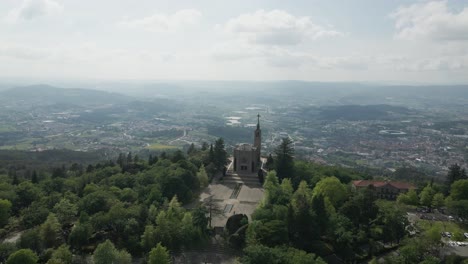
<point x="232" y="194"/>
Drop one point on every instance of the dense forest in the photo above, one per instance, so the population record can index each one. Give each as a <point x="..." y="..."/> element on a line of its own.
<point x="135" y="209"/>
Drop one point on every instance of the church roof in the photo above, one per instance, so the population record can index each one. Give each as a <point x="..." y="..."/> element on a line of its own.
<point x="245" y="147"/>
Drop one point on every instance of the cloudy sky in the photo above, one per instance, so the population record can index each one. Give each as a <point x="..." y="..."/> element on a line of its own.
<point x="361" y="40"/>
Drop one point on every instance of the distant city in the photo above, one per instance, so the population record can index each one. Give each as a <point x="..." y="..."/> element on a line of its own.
<point x="349" y="131"/>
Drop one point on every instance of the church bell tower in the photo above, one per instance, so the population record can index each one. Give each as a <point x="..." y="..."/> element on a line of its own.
<point x="258" y="138"/>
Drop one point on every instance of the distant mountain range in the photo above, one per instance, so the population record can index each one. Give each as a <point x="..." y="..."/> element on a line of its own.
<point x="46" y="95"/>
<point x="234" y="92"/>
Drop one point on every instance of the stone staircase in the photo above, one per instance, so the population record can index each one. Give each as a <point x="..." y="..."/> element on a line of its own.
<point x="246" y="179"/>
<point x="209" y="253"/>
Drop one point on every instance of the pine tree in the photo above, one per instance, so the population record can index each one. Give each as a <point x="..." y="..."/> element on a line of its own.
<point x="220" y="154"/>
<point x="120" y="160"/>
<point x="204" y="146"/>
<point x="455" y="173"/>
<point x="270" y="162"/>
<point x="191" y="149"/>
<point x="202" y="177"/>
<point x="211" y="155"/>
<point x="90" y="168"/>
<point x="284" y="164"/>
<point x="129" y="158"/>
<point x="159" y="255"/>
<point x="51" y="231"/>
<point x="34" y="178"/>
<point x="105" y="253"/>
<point x="15" y="178"/>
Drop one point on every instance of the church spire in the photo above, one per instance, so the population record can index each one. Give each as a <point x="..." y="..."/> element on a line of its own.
<point x="258" y="121"/>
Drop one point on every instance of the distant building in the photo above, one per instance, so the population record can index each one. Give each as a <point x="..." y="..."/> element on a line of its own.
<point x="247" y="156"/>
<point x="385" y="189"/>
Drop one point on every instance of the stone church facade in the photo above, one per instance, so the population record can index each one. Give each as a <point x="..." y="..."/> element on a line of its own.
<point x="247" y="156"/>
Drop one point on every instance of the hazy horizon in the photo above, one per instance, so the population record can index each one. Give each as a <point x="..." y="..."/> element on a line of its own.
<point x="402" y="42"/>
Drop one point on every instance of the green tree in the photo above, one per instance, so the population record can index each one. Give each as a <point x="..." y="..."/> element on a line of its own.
<point x="455" y="173"/>
<point x="159" y="255"/>
<point x="191" y="149"/>
<point x="426" y="196"/>
<point x="105" y="253"/>
<point x="459" y="190"/>
<point x="284" y="164"/>
<point x="15" y="180"/>
<point x="333" y="189"/>
<point x="361" y="208"/>
<point x="27" y="193"/>
<point x="260" y="254"/>
<point x="202" y="177"/>
<point x="34" y="215"/>
<point x="272" y="189"/>
<point x="5" y="209"/>
<point x="80" y="235"/>
<point x="270" y="162"/>
<point x="408" y="198"/>
<point x="459" y="207"/>
<point x="287" y="191"/>
<point x="430" y="260"/>
<point x="200" y="219"/>
<point x="204" y="146"/>
<point x="148" y="239"/>
<point x="34" y="178"/>
<point x="432" y="235"/>
<point x="94" y="202"/>
<point x="189" y="232"/>
<point x="6" y="249"/>
<point x="51" y="231"/>
<point x="393" y="220"/>
<point x="438" y="200"/>
<point x="62" y="255"/>
<point x="302" y="223"/>
<point x="342" y="234"/>
<point x="31" y="239"/>
<point x="23" y="256"/>
<point x="123" y="257"/>
<point x="211" y="155"/>
<point x="220" y="154"/>
<point x="269" y="233"/>
<point x="65" y="211"/>
<point x="168" y="229"/>
<point x="321" y="214"/>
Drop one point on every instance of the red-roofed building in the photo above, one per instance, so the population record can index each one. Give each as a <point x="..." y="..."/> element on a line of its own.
<point x="385" y="189"/>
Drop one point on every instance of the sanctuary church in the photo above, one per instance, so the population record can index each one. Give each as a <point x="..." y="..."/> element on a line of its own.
<point x="247" y="156"/>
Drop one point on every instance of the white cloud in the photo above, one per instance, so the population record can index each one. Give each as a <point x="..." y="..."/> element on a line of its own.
<point x="431" y="20"/>
<point x="284" y="57"/>
<point x="276" y="27"/>
<point x="31" y="9"/>
<point x="22" y="52"/>
<point x="439" y="63"/>
<point x="166" y="22"/>
<point x="273" y="38"/>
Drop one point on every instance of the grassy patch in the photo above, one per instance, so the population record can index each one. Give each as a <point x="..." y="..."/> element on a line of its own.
<point x="158" y="146"/>
<point x="361" y="162"/>
<point x="456" y="229"/>
<point x="7" y="128"/>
